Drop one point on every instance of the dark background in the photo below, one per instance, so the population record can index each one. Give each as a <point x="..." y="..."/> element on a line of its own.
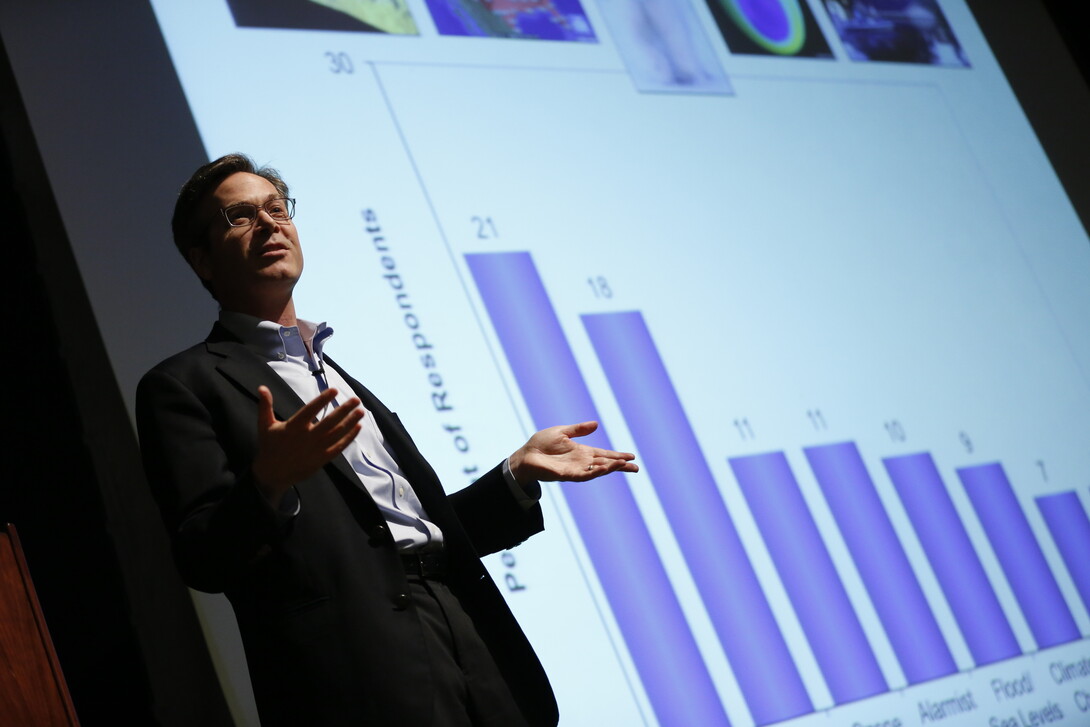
<point x="122" y="623"/>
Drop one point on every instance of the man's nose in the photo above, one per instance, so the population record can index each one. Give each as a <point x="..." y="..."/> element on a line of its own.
<point x="265" y="219"/>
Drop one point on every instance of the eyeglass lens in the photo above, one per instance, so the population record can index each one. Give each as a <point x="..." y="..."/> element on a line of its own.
<point x="240" y="215"/>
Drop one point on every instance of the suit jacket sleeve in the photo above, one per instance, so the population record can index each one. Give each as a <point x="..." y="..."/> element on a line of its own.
<point x="492" y="517"/>
<point x="219" y="522"/>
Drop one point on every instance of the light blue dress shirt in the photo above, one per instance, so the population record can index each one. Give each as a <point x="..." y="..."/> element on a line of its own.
<point x="295" y="354"/>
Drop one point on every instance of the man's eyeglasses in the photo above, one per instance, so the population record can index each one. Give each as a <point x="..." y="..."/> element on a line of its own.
<point x="244" y="215"/>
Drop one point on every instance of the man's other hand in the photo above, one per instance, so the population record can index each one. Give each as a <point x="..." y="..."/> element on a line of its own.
<point x="553" y="454"/>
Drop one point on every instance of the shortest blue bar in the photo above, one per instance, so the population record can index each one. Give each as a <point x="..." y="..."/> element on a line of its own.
<point x="1070" y="528"/>
<point x="1019" y="554"/>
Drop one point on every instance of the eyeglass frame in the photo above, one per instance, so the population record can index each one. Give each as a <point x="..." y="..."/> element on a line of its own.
<point x="257" y="207"/>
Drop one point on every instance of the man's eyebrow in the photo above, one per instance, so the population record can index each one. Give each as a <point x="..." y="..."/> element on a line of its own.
<point x="272" y="196"/>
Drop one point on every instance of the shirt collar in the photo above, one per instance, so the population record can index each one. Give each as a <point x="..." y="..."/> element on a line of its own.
<point x="276" y="342"/>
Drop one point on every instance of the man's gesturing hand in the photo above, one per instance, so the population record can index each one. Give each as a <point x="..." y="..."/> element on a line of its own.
<point x="290" y="451"/>
<point x="552" y="454"/>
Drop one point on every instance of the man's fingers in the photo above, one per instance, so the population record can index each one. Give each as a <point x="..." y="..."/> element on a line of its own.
<point x="350" y="408"/>
<point x="344" y="441"/>
<point x="622" y="466"/>
<point x="265" y="416"/>
<point x="345" y="415"/>
<point x="610" y="454"/>
<point x="581" y="429"/>
<point x="605" y="468"/>
<point x="315" y="405"/>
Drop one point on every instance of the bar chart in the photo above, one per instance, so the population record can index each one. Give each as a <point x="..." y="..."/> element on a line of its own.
<point x="552" y="383"/>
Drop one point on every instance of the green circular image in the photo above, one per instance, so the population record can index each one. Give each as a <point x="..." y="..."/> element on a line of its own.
<point x="775" y="25"/>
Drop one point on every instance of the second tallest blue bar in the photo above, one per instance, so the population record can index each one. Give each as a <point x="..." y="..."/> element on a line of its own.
<point x="687" y="490"/>
<point x="627" y="564"/>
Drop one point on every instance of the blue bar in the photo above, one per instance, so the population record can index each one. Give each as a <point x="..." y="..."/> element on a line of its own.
<point x="672" y="458"/>
<point x="632" y="575"/>
<point x="882" y="563"/>
<point x="808" y="574"/>
<point x="1070" y="529"/>
<point x="950" y="552"/>
<point x="1019" y="554"/>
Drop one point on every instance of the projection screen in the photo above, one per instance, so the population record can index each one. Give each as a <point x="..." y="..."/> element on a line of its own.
<point x="807" y="260"/>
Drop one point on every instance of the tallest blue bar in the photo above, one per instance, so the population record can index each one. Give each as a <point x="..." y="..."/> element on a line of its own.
<point x="687" y="490"/>
<point x="628" y="566"/>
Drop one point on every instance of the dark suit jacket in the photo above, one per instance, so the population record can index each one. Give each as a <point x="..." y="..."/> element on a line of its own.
<point x="331" y="635"/>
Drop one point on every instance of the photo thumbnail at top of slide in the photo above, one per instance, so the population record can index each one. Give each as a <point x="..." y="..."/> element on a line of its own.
<point x="770" y="27"/>
<point x="365" y="16"/>
<point x="540" y="19"/>
<point x="900" y="31"/>
<point x="664" y="47"/>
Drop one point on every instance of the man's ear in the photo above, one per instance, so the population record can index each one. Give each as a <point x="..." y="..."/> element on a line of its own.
<point x="198" y="260"/>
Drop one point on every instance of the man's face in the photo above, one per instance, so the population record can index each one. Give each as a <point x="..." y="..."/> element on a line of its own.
<point x="252" y="264"/>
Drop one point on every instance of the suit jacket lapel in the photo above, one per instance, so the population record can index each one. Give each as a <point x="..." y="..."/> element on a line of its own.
<point x="248" y="371"/>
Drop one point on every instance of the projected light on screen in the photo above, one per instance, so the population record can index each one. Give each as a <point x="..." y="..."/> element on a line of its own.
<point x="847" y="387"/>
<point x="600" y="231"/>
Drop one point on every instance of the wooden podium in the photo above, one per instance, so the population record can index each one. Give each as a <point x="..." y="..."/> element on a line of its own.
<point x="32" y="687"/>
